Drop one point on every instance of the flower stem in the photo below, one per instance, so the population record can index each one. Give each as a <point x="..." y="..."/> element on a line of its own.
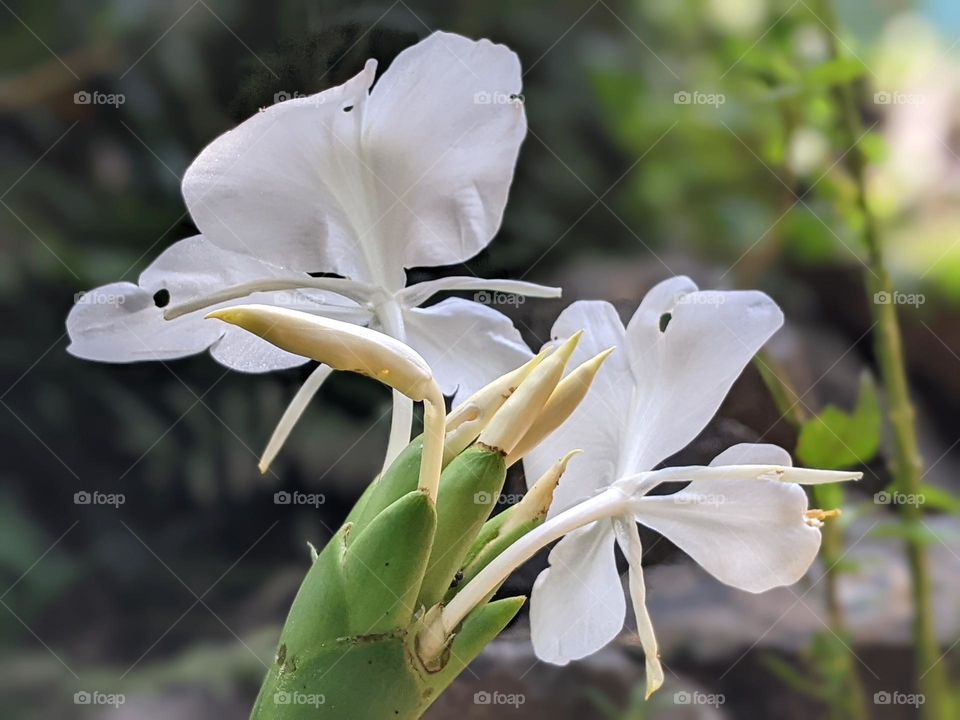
<point x="607" y="504"/>
<point x="905" y="463"/>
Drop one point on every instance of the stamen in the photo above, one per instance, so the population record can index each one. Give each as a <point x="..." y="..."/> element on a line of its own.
<point x="815" y="517"/>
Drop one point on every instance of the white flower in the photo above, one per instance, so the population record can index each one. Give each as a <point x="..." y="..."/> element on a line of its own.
<point x="355" y="182"/>
<point x="741" y="519"/>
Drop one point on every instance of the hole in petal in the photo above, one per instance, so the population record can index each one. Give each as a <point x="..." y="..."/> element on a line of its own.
<point x="664" y="321"/>
<point x="348" y="108"/>
<point x="161" y="298"/>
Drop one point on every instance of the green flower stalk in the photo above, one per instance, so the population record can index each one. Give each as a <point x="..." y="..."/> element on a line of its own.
<point x="349" y="648"/>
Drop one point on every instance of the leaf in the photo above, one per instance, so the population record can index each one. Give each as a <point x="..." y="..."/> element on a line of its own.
<point x="836" y="439"/>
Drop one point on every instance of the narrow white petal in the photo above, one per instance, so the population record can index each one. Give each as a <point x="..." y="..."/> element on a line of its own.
<point x="465" y="343"/>
<point x="292" y="414"/>
<point x="577" y="604"/>
<point x="596" y="425"/>
<point x="628" y="537"/>
<point x="488" y="292"/>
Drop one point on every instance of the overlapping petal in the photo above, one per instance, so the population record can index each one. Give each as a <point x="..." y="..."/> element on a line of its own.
<point x="597" y="424"/>
<point x="577" y="604"/>
<point x="465" y="343"/>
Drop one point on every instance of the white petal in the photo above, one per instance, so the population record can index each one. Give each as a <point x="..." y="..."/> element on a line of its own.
<point x="444" y="157"/>
<point x="684" y="372"/>
<point x="628" y="537"/>
<point x="753" y="454"/>
<point x="577" y="604"/>
<point x="596" y="425"/>
<point x="290" y="185"/>
<point x="466" y="344"/>
<point x="121" y="323"/>
<point x="748" y="534"/>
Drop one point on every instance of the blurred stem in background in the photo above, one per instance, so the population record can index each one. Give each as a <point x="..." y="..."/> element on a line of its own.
<point x="847" y="699"/>
<point x="905" y="463"/>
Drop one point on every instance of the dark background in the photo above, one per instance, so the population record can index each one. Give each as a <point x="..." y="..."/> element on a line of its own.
<point x="174" y="598"/>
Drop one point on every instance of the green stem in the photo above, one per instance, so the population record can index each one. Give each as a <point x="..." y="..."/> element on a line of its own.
<point x="905" y="463"/>
<point x="789" y="405"/>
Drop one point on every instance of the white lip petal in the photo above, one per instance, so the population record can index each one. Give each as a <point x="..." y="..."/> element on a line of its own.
<point x="442" y="136"/>
<point x="577" y="605"/>
<point x="596" y="424"/>
<point x="289" y="186"/>
<point x="465" y="343"/>
<point x="751" y="535"/>
<point x="686" y="349"/>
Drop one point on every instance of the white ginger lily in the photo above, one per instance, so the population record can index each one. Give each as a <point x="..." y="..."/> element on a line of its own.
<point x="743" y="518"/>
<point x="355" y="182"/>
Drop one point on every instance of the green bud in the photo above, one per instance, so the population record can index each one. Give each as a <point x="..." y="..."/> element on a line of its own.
<point x="469" y="488"/>
<point x="385" y="563"/>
